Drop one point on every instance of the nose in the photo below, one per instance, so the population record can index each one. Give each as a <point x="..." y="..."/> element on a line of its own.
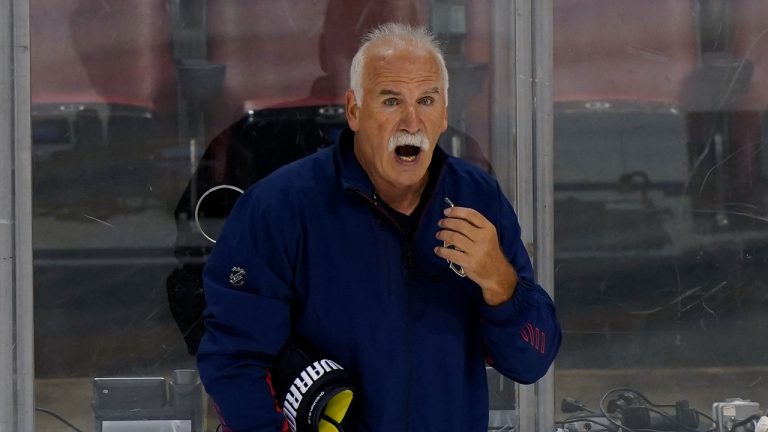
<point x="410" y="120"/>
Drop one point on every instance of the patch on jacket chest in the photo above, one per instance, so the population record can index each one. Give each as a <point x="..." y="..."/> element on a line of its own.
<point x="237" y="276"/>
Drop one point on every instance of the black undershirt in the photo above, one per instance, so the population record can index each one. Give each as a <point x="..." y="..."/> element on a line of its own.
<point x="408" y="223"/>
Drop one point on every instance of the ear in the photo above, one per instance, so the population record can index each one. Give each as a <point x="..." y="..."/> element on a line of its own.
<point x="352" y="110"/>
<point x="445" y="119"/>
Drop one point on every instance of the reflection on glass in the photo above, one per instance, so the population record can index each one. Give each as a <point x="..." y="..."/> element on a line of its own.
<point x="139" y="108"/>
<point x="660" y="229"/>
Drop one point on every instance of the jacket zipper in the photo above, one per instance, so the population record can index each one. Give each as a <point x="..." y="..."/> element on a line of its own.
<point x="375" y="202"/>
<point x="410" y="246"/>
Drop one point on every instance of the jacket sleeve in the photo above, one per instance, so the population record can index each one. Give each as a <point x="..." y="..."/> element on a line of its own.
<point x="522" y="335"/>
<point x="247" y="288"/>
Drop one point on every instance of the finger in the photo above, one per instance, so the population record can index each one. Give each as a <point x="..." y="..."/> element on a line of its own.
<point x="460" y="226"/>
<point x="455" y="239"/>
<point x="452" y="255"/>
<point x="468" y="214"/>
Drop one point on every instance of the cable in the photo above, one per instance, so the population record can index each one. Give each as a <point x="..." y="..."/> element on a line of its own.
<point x="605" y="414"/>
<point x="569" y="405"/>
<point x="711" y="420"/>
<point x="674" y="420"/>
<point x="650" y="406"/>
<point x="648" y="401"/>
<point x="645" y="398"/>
<point x="701" y="413"/>
<point x="58" y="417"/>
<point x="589" y="419"/>
<point x="740" y="423"/>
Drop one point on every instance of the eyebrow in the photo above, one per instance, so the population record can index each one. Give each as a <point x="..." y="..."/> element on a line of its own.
<point x="388" y="92"/>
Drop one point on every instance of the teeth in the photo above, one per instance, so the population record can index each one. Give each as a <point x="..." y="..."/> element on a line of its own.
<point x="407" y="158"/>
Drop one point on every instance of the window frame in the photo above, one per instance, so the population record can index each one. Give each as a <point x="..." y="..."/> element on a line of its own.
<point x="16" y="311"/>
<point x="522" y="116"/>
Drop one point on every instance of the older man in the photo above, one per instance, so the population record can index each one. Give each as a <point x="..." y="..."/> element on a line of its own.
<point x="395" y="260"/>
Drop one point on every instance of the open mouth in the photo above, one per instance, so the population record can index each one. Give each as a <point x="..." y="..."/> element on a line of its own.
<point x="407" y="153"/>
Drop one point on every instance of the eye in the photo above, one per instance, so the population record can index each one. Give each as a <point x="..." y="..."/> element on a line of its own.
<point x="427" y="100"/>
<point x="391" y="101"/>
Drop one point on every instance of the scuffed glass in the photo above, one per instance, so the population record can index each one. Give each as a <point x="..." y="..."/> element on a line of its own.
<point x="660" y="221"/>
<point x="149" y="118"/>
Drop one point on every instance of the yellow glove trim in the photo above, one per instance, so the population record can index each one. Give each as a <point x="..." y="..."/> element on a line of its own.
<point x="336" y="408"/>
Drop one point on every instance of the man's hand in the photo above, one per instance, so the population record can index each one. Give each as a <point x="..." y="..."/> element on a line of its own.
<point x="478" y="252"/>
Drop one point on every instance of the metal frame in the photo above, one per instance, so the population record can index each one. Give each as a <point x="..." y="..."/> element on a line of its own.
<point x="503" y="96"/>
<point x="16" y="311"/>
<point x="523" y="117"/>
<point x="543" y="66"/>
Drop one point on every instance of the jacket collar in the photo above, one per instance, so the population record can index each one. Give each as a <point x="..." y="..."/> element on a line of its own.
<point x="352" y="174"/>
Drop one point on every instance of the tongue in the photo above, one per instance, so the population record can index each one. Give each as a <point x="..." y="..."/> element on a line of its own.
<point x="407" y="150"/>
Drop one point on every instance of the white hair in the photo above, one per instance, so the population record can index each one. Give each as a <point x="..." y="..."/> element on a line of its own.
<point x="400" y="35"/>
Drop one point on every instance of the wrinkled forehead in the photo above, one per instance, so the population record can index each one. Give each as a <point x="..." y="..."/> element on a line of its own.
<point x="387" y="59"/>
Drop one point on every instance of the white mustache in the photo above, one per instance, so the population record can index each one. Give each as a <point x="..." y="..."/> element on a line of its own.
<point x="419" y="139"/>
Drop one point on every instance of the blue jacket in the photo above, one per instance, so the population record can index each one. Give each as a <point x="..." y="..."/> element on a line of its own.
<point x="318" y="256"/>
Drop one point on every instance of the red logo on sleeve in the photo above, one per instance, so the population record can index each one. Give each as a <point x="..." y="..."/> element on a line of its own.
<point x="534" y="336"/>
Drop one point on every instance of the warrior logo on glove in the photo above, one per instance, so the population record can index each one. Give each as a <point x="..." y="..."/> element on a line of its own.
<point x="314" y="392"/>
